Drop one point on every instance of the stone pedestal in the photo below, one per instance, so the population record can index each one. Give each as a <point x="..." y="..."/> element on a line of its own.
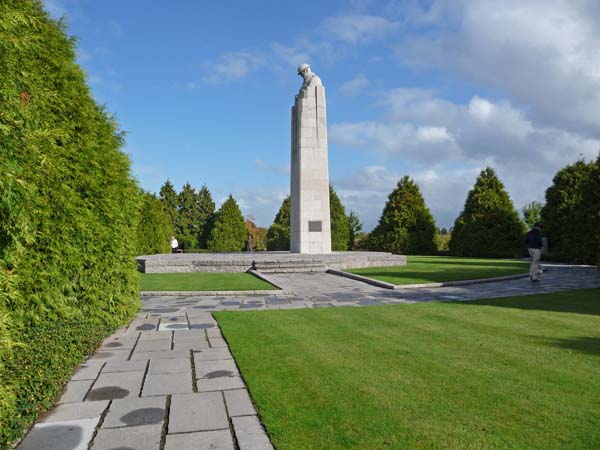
<point x="310" y="220"/>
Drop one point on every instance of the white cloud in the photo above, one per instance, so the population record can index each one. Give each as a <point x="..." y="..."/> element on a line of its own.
<point x="445" y="145"/>
<point x="356" y="28"/>
<point x="232" y="66"/>
<point x="352" y="87"/>
<point x="543" y="55"/>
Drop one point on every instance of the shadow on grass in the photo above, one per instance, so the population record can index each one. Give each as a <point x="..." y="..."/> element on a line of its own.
<point x="589" y="345"/>
<point x="581" y="301"/>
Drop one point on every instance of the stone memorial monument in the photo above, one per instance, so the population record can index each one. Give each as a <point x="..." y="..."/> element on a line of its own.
<point x="310" y="227"/>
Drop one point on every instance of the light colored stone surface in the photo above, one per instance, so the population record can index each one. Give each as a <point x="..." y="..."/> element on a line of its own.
<point x="250" y="434"/>
<point x="197" y="412"/>
<point x="309" y="172"/>
<point x="212" y="369"/>
<point x="116" y="385"/>
<point x="153" y="346"/>
<point x="216" y="342"/>
<point x="190" y="344"/>
<point x="212" y="354"/>
<point x="139" y="438"/>
<point x="165" y="354"/>
<point x="172" y="326"/>
<point x="169" y="383"/>
<point x="87" y="371"/>
<point x="69" y="434"/>
<point x="75" y="411"/>
<point x="74" y="391"/>
<point x="207" y="440"/>
<point x="219" y="384"/>
<point x="175" y="365"/>
<point x="135" y="412"/>
<point x="125" y="366"/>
<point x="239" y="403"/>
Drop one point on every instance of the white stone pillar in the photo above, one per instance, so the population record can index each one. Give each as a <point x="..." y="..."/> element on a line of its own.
<point x="310" y="220"/>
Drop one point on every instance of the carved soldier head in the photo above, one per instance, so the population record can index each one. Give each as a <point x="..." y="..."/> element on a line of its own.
<point x="303" y="70"/>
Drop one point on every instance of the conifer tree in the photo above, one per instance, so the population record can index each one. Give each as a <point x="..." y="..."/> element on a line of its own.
<point x="278" y="234"/>
<point x="188" y="221"/>
<point x="168" y="197"/>
<point x="340" y="231"/>
<point x="229" y="231"/>
<point x="406" y="225"/>
<point x="585" y="244"/>
<point x="206" y="208"/>
<point x="154" y="228"/>
<point x="563" y="199"/>
<point x="489" y="225"/>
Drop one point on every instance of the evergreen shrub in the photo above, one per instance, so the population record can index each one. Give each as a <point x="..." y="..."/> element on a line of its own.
<point x="68" y="217"/>
<point x="278" y="234"/>
<point x="155" y="229"/>
<point x="229" y="230"/>
<point x="406" y="225"/>
<point x="340" y="229"/>
<point x="489" y="225"/>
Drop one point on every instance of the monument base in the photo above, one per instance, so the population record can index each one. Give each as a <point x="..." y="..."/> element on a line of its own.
<point x="266" y="262"/>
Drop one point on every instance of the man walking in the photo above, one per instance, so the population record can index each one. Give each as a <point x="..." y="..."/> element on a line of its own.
<point x="535" y="243"/>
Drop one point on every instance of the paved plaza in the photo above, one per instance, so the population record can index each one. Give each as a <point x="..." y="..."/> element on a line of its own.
<point x="168" y="380"/>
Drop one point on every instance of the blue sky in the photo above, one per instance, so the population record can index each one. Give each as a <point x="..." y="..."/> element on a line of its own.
<point x="433" y="89"/>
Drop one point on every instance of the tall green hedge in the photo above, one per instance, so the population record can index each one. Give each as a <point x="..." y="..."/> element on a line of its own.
<point x="278" y="234"/>
<point x="68" y="216"/>
<point x="489" y="225"/>
<point x="406" y="225"/>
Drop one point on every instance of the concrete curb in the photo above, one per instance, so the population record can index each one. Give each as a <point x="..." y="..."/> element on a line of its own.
<point x="214" y="293"/>
<point x="385" y="285"/>
<point x="265" y="277"/>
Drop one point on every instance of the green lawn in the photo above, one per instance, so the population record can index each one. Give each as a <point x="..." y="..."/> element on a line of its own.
<point x="511" y="373"/>
<point x="435" y="269"/>
<point x="200" y="281"/>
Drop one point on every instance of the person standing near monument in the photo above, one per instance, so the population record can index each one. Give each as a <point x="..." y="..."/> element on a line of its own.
<point x="174" y="245"/>
<point x="249" y="243"/>
<point x="534" y="242"/>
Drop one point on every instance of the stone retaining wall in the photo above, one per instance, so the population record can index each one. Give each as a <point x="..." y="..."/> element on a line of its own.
<point x="268" y="262"/>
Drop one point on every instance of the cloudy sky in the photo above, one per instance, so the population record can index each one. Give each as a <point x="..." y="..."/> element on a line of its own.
<point x="433" y="89"/>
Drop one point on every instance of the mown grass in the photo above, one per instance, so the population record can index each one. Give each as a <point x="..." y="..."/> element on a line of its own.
<point x="508" y="373"/>
<point x="436" y="269"/>
<point x="200" y="281"/>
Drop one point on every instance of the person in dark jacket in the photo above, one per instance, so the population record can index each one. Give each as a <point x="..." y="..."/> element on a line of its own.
<point x="535" y="243"/>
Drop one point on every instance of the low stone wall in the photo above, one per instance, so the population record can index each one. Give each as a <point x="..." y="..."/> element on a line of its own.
<point x="268" y="262"/>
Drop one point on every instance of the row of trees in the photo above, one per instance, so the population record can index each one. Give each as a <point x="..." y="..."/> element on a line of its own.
<point x="190" y="216"/>
<point x="344" y="228"/>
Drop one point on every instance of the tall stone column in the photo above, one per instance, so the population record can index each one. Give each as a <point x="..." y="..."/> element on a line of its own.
<point x="310" y="220"/>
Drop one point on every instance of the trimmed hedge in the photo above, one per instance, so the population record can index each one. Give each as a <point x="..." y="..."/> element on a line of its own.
<point x="68" y="217"/>
<point x="155" y="228"/>
<point x="229" y="231"/>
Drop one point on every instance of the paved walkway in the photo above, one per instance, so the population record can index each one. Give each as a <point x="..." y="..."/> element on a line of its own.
<point x="168" y="381"/>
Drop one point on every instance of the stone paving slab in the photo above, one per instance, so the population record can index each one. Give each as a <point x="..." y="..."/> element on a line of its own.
<point x="87" y="371"/>
<point x="238" y="403"/>
<point x="135" y="412"/>
<point x="154" y="346"/>
<point x="139" y="438"/>
<point x="111" y="386"/>
<point x="68" y="434"/>
<point x="125" y="366"/>
<point x="168" y="383"/>
<point x="75" y="391"/>
<point x="197" y="412"/>
<point x="75" y="411"/>
<point x="215" y="369"/>
<point x="163" y="354"/>
<point x="212" y="354"/>
<point x="165" y="366"/>
<point x="207" y="440"/>
<point x="219" y="384"/>
<point x="250" y="434"/>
